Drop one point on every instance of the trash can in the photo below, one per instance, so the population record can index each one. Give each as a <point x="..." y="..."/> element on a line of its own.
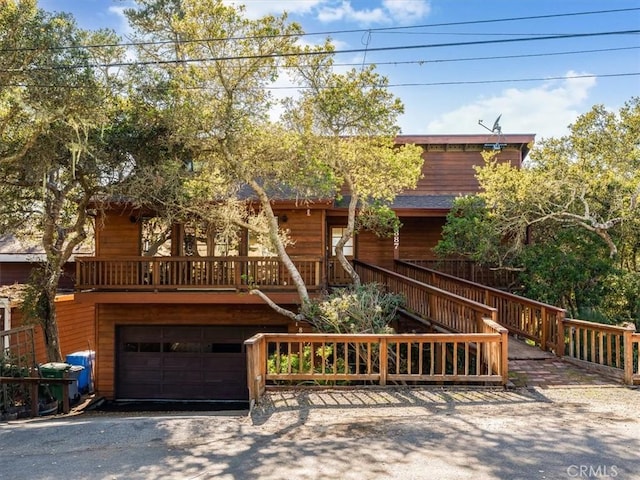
<point x="84" y="359"/>
<point x="59" y="370"/>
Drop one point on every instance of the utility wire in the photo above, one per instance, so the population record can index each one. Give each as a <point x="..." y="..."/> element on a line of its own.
<point x="338" y="52"/>
<point x="390" y="85"/>
<point x="332" y="32"/>
<point x="492" y="57"/>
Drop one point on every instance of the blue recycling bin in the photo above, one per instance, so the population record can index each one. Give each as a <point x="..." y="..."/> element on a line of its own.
<point x="84" y="359"/>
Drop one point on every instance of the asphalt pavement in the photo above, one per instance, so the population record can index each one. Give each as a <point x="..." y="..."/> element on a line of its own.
<point x="429" y="433"/>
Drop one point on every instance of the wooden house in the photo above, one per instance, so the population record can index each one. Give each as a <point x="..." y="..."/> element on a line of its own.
<point x="171" y="313"/>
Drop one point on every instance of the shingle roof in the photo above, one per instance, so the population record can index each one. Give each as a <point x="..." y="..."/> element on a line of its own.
<point x="425" y="202"/>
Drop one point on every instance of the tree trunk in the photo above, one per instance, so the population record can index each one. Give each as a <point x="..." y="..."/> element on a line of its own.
<point x="348" y="234"/>
<point x="49" y="323"/>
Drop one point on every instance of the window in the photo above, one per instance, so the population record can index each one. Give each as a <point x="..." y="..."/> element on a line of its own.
<point x="156" y="237"/>
<point x="336" y="235"/>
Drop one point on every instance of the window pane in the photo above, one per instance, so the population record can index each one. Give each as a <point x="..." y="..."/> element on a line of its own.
<point x="336" y="234"/>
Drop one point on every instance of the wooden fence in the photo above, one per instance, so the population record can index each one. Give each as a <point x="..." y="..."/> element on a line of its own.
<point x="521" y="316"/>
<point x="612" y="349"/>
<point x="470" y="270"/>
<point x="446" y="309"/>
<point x="355" y="360"/>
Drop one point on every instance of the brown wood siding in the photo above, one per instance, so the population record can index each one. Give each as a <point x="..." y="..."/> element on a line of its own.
<point x="451" y="172"/>
<point x="305" y="230"/>
<point x="76" y="327"/>
<point x="418" y="236"/>
<point x="111" y="315"/>
<point x="372" y="249"/>
<point x="117" y="236"/>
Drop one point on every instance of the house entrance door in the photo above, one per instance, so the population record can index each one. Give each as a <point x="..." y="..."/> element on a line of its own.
<point x="337" y="274"/>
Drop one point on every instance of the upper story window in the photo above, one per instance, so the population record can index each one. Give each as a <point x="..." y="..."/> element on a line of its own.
<point x="156" y="237"/>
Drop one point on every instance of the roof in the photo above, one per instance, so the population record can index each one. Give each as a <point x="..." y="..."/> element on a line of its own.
<point x="14" y="249"/>
<point x="404" y="202"/>
<point x="522" y="141"/>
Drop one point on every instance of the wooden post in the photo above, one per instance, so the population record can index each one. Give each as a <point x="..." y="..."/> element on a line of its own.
<point x="545" y="329"/>
<point x="628" y="354"/>
<point x="560" y="335"/>
<point x="383" y="360"/>
<point x="34" y="399"/>
<point x="504" y="340"/>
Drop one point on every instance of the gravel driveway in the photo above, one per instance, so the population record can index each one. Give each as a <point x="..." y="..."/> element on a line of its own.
<point x="555" y="433"/>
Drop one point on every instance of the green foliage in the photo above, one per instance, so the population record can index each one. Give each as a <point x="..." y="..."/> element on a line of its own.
<point x="471" y="232"/>
<point x="570" y="269"/>
<point x="54" y="109"/>
<point x="292" y="362"/>
<point x="364" y="309"/>
<point x="569" y="219"/>
<point x="379" y="219"/>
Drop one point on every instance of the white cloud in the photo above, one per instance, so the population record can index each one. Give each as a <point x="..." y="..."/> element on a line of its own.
<point x="389" y="12"/>
<point x="328" y="11"/>
<point x="345" y="12"/>
<point x="546" y="110"/>
<point x="259" y="8"/>
<point x="407" y="10"/>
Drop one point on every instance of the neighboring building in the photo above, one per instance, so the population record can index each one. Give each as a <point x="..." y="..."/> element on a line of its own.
<point x="18" y="258"/>
<point x="172" y="326"/>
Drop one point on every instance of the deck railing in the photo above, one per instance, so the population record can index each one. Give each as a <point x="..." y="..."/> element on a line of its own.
<point x="614" y="349"/>
<point x="446" y="309"/>
<point x="521" y="316"/>
<point x="470" y="270"/>
<point x="175" y="273"/>
<point x="355" y="360"/>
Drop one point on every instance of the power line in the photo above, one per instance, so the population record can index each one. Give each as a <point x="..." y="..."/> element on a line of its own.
<point x="333" y="32"/>
<point x="390" y="85"/>
<point x="492" y="57"/>
<point x="338" y="52"/>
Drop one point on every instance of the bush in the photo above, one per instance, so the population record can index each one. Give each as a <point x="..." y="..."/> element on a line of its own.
<point x="364" y="309"/>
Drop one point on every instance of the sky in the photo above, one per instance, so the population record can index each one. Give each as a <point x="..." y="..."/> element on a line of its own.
<point x="503" y="67"/>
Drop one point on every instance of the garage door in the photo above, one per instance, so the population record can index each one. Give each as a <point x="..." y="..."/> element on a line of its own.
<point x="183" y="362"/>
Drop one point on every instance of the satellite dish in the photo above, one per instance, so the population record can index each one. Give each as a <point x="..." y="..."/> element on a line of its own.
<point x="496" y="129"/>
<point x="496" y="125"/>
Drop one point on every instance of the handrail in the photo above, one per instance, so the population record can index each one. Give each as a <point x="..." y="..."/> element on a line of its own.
<point x="355" y="359"/>
<point x="613" y="349"/>
<point x="172" y="273"/>
<point x="528" y="318"/>
<point x="610" y="348"/>
<point x="454" y="312"/>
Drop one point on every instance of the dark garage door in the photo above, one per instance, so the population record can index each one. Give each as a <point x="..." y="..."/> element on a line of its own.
<point x="183" y="362"/>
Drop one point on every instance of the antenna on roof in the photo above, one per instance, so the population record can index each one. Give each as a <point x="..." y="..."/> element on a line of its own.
<point x="497" y="130"/>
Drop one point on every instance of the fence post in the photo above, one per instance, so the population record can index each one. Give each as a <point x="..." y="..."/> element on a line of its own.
<point x="628" y="354"/>
<point x="504" y="340"/>
<point x="560" y="335"/>
<point x="383" y="360"/>
<point x="545" y="329"/>
<point x="256" y="362"/>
